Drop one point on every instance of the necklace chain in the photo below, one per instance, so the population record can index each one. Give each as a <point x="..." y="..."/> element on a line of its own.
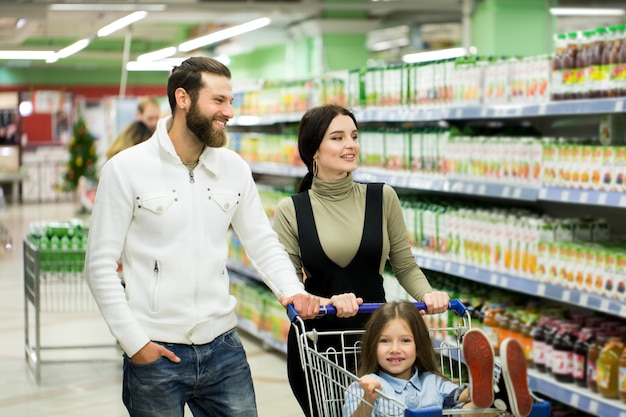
<point x="192" y="165"/>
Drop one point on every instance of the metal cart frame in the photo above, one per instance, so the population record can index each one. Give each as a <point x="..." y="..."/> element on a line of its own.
<point x="328" y="380"/>
<point x="35" y="297"/>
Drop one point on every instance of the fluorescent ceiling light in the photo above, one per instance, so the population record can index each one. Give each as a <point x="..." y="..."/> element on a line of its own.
<point x="156" y="55"/>
<point x="121" y="7"/>
<point x="434" y="55"/>
<point x="30" y="55"/>
<point x="121" y="23"/>
<point x="162" y="65"/>
<point x="579" y="11"/>
<point x="73" y="48"/>
<point x="220" y="35"/>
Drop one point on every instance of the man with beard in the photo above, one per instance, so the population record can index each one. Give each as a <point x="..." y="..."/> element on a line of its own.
<point x="165" y="207"/>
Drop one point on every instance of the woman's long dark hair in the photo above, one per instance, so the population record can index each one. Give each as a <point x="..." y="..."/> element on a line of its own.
<point x="311" y="130"/>
<point x="426" y="360"/>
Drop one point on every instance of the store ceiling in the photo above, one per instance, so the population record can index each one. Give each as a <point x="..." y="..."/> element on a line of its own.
<point x="180" y="20"/>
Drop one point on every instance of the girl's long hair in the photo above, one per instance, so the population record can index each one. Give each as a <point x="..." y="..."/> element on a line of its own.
<point x="426" y="360"/>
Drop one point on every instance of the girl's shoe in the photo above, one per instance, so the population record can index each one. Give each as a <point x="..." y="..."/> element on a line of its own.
<point x="513" y="381"/>
<point x="479" y="358"/>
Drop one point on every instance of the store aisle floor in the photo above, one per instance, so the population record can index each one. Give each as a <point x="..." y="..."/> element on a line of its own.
<point x="82" y="389"/>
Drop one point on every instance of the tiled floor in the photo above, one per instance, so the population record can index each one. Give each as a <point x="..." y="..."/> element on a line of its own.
<point x="82" y="389"/>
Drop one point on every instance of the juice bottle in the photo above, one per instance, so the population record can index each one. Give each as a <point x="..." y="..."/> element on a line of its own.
<point x="556" y="80"/>
<point x="569" y="66"/>
<point x="592" y="358"/>
<point x="490" y="326"/>
<point x="538" y="334"/>
<point x="616" y="34"/>
<point x="563" y="352"/>
<point x="621" y="379"/>
<point x="527" y="340"/>
<point x="579" y="359"/>
<point x="582" y="63"/>
<point x="608" y="367"/>
<point x="551" y="332"/>
<point x="595" y="70"/>
<point x="621" y="64"/>
<point x="606" y="61"/>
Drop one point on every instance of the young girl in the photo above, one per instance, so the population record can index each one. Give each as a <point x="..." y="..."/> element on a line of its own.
<point x="398" y="359"/>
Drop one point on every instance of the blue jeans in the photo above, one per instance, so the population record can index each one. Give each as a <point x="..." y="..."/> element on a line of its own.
<point x="213" y="379"/>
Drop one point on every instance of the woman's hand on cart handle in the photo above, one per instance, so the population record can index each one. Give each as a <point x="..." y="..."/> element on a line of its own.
<point x="436" y="302"/>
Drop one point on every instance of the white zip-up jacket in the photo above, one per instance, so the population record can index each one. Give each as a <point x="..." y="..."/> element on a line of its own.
<point x="170" y="229"/>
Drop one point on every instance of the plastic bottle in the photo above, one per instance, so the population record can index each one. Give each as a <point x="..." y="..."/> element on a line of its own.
<point x="569" y="66"/>
<point x="592" y="358"/>
<point x="616" y="34"/>
<point x="582" y="63"/>
<point x="621" y="379"/>
<point x="595" y="70"/>
<point x="527" y="341"/>
<point x="556" y="79"/>
<point x="490" y="326"/>
<point x="539" y="344"/>
<point x="550" y="333"/>
<point x="563" y="352"/>
<point x="608" y="367"/>
<point x="621" y="64"/>
<point x="579" y="359"/>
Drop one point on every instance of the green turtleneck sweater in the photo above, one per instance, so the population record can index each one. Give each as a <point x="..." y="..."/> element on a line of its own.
<point x="339" y="211"/>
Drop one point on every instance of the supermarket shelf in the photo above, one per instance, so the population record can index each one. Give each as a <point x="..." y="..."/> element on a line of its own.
<point x="269" y="168"/>
<point x="419" y="181"/>
<point x="591" y="197"/>
<point x="247" y="272"/>
<point x="456" y="112"/>
<point x="522" y="285"/>
<point x="577" y="397"/>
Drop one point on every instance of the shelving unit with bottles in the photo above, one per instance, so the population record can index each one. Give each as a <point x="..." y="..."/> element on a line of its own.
<point x="570" y="199"/>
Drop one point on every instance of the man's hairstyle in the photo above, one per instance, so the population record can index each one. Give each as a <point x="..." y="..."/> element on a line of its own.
<point x="188" y="75"/>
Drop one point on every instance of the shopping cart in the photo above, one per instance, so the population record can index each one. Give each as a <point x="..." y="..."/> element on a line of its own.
<point x="328" y="375"/>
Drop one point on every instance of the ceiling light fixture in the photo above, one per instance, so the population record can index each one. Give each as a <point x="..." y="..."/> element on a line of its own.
<point x="26" y="55"/>
<point x="156" y="55"/>
<point x="437" y="55"/>
<point x="120" y="7"/>
<point x="73" y="48"/>
<point x="122" y="23"/>
<point x="580" y="11"/>
<point x="220" y="35"/>
<point x="162" y="65"/>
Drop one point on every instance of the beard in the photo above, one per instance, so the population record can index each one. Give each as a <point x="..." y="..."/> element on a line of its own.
<point x="202" y="127"/>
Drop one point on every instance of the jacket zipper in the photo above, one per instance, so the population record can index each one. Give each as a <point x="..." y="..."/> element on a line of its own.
<point x="191" y="179"/>
<point x="156" y="285"/>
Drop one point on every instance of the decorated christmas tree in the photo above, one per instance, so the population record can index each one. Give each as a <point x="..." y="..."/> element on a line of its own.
<point x="82" y="158"/>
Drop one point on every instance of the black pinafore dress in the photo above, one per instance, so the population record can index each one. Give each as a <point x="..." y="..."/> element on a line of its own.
<point x="361" y="277"/>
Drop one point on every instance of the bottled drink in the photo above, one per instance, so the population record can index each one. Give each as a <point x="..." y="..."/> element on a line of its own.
<point x="556" y="80"/>
<point x="621" y="379"/>
<point x="608" y="367"/>
<point x="596" y="71"/>
<point x="527" y="341"/>
<point x="569" y="66"/>
<point x="592" y="358"/>
<point x="563" y="352"/>
<point x="490" y="326"/>
<point x="539" y="344"/>
<point x="579" y="359"/>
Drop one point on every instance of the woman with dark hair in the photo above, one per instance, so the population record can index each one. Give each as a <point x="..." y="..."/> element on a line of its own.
<point x="339" y="233"/>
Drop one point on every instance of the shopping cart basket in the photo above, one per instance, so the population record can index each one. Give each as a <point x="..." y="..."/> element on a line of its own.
<point x="328" y="378"/>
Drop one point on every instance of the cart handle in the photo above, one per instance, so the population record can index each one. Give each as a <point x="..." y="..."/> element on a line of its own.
<point x="455" y="305"/>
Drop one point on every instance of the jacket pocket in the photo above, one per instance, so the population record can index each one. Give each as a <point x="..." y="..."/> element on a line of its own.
<point x="225" y="200"/>
<point x="156" y="203"/>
